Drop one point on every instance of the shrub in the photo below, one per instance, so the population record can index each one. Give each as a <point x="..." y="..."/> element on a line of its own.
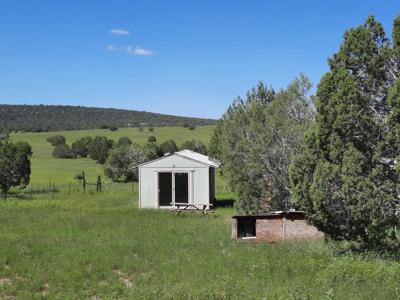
<point x="24" y="147"/>
<point x="168" y="146"/>
<point x="151" y="129"/>
<point x="56" y="140"/>
<point x="81" y="146"/>
<point x="113" y="128"/>
<point x="15" y="165"/>
<point x="99" y="147"/>
<point x="124" y="141"/>
<point x="152" y="151"/>
<point x="152" y="139"/>
<point x="63" y="151"/>
<point x="192" y="127"/>
<point x="195" y="146"/>
<point x="121" y="162"/>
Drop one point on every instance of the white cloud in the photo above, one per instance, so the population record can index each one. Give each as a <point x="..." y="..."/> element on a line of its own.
<point x="112" y="48"/>
<point x="139" y="51"/>
<point x="132" y="50"/>
<point x="118" y="31"/>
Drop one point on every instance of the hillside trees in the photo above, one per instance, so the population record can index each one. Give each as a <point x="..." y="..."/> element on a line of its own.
<point x="255" y="139"/>
<point x="344" y="176"/>
<point x="15" y="166"/>
<point x="168" y="146"/>
<point x="195" y="146"/>
<point x="121" y="162"/>
<point x="56" y="140"/>
<point x="81" y="147"/>
<point x="99" y="147"/>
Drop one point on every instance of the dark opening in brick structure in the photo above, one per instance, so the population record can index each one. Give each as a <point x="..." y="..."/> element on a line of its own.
<point x="274" y="226"/>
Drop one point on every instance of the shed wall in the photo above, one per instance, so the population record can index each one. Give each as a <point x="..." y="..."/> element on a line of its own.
<point x="149" y="180"/>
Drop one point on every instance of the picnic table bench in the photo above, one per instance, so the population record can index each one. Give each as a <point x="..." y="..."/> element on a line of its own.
<point x="179" y="207"/>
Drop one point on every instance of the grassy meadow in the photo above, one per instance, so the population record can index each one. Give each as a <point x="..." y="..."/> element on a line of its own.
<point x="68" y="245"/>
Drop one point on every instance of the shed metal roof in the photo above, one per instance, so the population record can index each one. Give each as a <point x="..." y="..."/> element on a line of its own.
<point x="199" y="157"/>
<point x="188" y="154"/>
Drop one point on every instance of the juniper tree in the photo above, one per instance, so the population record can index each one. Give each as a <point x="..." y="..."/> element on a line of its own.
<point x="255" y="140"/>
<point x="342" y="178"/>
<point x="15" y="166"/>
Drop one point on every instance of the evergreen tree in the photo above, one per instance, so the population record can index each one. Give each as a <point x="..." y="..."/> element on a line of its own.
<point x="255" y="140"/>
<point x="341" y="178"/>
<point x="168" y="146"/>
<point x="15" y="165"/>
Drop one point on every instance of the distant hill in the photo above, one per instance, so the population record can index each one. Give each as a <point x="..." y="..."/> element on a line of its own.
<point x="39" y="118"/>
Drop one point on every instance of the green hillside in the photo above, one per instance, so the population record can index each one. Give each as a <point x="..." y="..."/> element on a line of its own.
<point x="40" y="118"/>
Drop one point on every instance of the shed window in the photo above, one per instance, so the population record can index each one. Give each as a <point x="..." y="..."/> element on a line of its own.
<point x="246" y="227"/>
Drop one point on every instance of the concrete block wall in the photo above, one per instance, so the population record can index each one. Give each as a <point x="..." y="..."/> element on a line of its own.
<point x="269" y="230"/>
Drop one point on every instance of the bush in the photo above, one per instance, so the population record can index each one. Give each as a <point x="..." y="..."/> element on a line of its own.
<point x="15" y="165"/>
<point x="152" y="151"/>
<point x="195" y="146"/>
<point x="99" y="147"/>
<point x="168" y="146"/>
<point x="124" y="141"/>
<point x="121" y="162"/>
<point x="81" y="146"/>
<point x="24" y="147"/>
<point x="56" y="140"/>
<point x="113" y="128"/>
<point x="152" y="139"/>
<point x="192" y="127"/>
<point x="151" y="129"/>
<point x="63" y="151"/>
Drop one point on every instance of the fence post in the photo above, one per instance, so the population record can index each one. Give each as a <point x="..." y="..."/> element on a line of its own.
<point x="98" y="185"/>
<point x="84" y="182"/>
<point x="69" y="189"/>
<point x="52" y="196"/>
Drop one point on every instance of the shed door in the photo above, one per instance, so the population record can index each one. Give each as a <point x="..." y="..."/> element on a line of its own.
<point x="181" y="187"/>
<point x="165" y="189"/>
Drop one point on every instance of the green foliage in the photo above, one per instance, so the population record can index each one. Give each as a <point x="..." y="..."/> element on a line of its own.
<point x="15" y="165"/>
<point x="255" y="140"/>
<point x="192" y="127"/>
<point x="99" y="147"/>
<point x="39" y="118"/>
<point x="63" y="151"/>
<point x="113" y="128"/>
<point x="24" y="147"/>
<point x="56" y="140"/>
<point x="152" y="139"/>
<point x="120" y="166"/>
<point x="344" y="177"/>
<point x="195" y="146"/>
<point x="124" y="141"/>
<point x="152" y="151"/>
<point x="151" y="129"/>
<point x="81" y="146"/>
<point x="168" y="146"/>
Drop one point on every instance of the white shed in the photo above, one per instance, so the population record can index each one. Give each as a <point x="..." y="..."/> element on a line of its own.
<point x="180" y="177"/>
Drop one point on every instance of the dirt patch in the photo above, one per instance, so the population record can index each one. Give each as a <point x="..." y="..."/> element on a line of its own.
<point x="5" y="281"/>
<point x="124" y="278"/>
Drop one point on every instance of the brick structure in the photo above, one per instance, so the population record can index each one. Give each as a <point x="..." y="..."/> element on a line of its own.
<point x="276" y="226"/>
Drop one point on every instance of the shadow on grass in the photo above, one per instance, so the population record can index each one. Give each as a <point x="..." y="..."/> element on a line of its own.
<point x="224" y="203"/>
<point x="27" y="194"/>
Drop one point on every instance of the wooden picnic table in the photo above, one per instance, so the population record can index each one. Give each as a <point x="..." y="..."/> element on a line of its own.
<point x="190" y="207"/>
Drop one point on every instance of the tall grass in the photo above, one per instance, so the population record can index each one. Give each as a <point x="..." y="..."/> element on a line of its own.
<point x="101" y="245"/>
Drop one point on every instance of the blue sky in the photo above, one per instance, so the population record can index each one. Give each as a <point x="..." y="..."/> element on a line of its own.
<point x="177" y="57"/>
